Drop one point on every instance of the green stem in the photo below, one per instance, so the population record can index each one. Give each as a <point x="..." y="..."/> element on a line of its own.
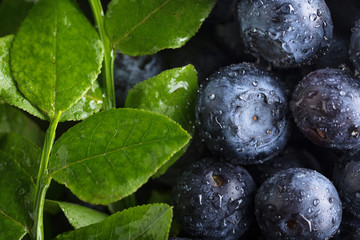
<point x="43" y="180"/>
<point x="109" y="58"/>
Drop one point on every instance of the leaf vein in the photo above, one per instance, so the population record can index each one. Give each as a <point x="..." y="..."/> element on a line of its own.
<point x="141" y="22"/>
<point x="13" y="219"/>
<point x="114" y="151"/>
<point x="151" y="223"/>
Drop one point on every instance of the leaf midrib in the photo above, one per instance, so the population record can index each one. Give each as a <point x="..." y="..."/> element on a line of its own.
<point x="54" y="63"/>
<point x="152" y="223"/>
<point x="111" y="152"/>
<point x="117" y="42"/>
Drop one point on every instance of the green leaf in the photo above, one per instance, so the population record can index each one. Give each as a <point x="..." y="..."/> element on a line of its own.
<point x="13" y="120"/>
<point x="148" y="222"/>
<point x="17" y="192"/>
<point x="172" y="93"/>
<point x="56" y="56"/>
<point x="111" y="154"/>
<point x="89" y="104"/>
<point x="12" y="13"/>
<point x="146" y="27"/>
<point x="26" y="153"/>
<point x="78" y="216"/>
<point x="8" y="90"/>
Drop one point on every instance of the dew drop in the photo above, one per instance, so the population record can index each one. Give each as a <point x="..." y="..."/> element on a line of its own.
<point x="312" y="17"/>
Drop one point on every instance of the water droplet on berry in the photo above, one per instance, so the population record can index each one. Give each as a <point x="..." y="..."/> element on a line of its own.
<point x="313" y="17"/>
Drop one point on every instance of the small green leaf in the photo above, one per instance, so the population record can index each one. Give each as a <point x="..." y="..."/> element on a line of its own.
<point x="26" y="153"/>
<point x="148" y="222"/>
<point x="146" y="27"/>
<point x="78" y="216"/>
<point x="89" y="104"/>
<point x="17" y="192"/>
<point x="12" y="13"/>
<point x="111" y="154"/>
<point x="12" y="120"/>
<point x="8" y="90"/>
<point x="56" y="56"/>
<point x="172" y="93"/>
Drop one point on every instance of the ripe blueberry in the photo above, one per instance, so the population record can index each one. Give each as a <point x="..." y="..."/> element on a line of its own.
<point x="355" y="46"/>
<point x="287" y="33"/>
<point x="214" y="200"/>
<point x="326" y="108"/>
<point x="347" y="181"/>
<point x="241" y="114"/>
<point x="298" y="203"/>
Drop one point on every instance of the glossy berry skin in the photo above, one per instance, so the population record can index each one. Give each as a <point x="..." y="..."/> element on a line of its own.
<point x="286" y="33"/>
<point x="326" y="108"/>
<point x="347" y="180"/>
<point x="214" y="200"/>
<point x="128" y="71"/>
<point x="241" y="114"/>
<point x="298" y="204"/>
<point x="355" y="46"/>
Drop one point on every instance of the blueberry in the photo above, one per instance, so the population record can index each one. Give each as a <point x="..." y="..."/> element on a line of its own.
<point x="355" y="46"/>
<point x="241" y="114"/>
<point x="214" y="200"/>
<point x="128" y="71"/>
<point x="287" y="33"/>
<point x="347" y="181"/>
<point x="298" y="203"/>
<point x="326" y="108"/>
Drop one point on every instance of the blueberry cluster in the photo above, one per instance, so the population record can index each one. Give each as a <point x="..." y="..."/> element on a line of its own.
<point x="276" y="150"/>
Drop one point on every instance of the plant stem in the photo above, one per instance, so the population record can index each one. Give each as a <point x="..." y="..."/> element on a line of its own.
<point x="109" y="58"/>
<point x="43" y="179"/>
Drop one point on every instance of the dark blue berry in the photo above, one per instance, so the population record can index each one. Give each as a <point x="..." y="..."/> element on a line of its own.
<point x="128" y="71"/>
<point x="298" y="203"/>
<point x="347" y="180"/>
<point x="214" y="200"/>
<point x="241" y="114"/>
<point x="287" y="33"/>
<point x="355" y="46"/>
<point x="326" y="108"/>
